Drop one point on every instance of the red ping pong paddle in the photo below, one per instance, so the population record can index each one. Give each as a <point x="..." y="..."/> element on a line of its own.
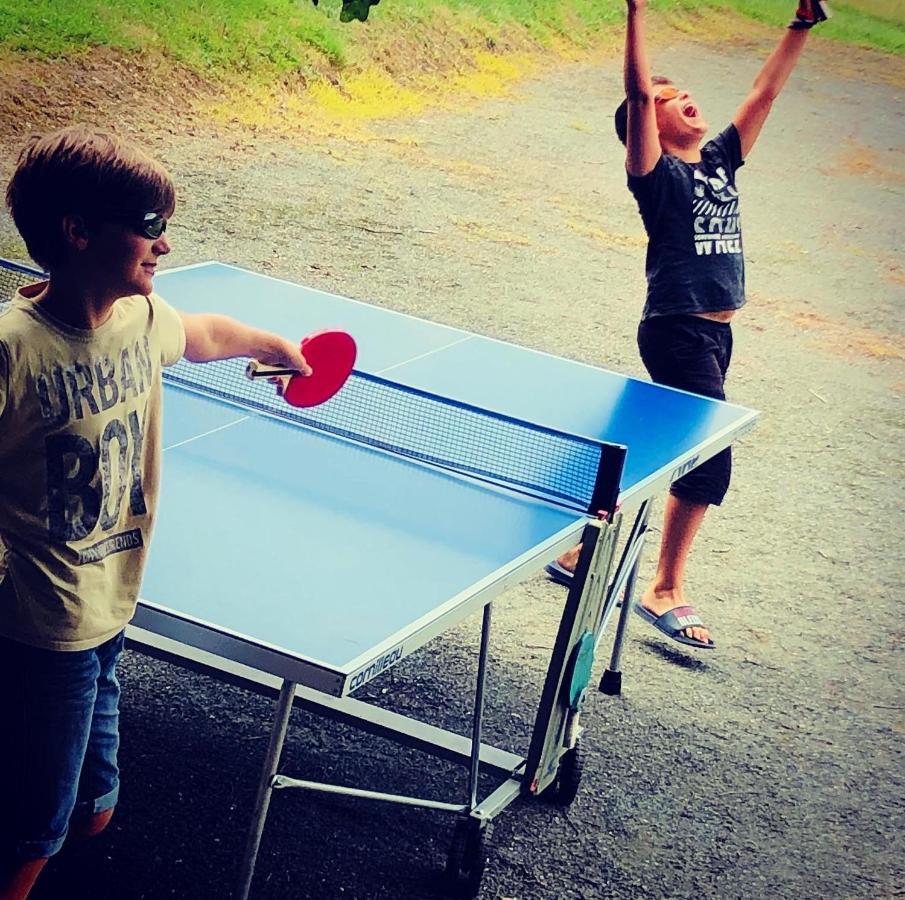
<point x="331" y="355"/>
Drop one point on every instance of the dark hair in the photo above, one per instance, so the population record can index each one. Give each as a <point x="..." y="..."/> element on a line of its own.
<point x="81" y="171"/>
<point x="620" y="118"/>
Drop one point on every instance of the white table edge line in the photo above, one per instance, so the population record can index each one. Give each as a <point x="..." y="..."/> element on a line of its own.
<point x="406" y="362"/>
<point x="198" y="437"/>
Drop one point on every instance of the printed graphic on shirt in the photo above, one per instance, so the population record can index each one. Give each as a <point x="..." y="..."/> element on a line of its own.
<point x="125" y="540"/>
<point x="87" y="482"/>
<point x="716" y="220"/>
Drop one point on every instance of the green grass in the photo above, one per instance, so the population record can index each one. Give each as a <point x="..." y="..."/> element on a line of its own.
<point x="876" y="24"/>
<point x="266" y="38"/>
<point x="206" y="35"/>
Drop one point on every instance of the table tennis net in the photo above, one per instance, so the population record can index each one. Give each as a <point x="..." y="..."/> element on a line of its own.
<point x="12" y="277"/>
<point x="531" y="459"/>
<point x="422" y="426"/>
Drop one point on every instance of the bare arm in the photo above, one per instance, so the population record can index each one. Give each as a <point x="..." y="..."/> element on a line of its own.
<point x="642" y="139"/>
<point x="209" y="337"/>
<point x="751" y="115"/>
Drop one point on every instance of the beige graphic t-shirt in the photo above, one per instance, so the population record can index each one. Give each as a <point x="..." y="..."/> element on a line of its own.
<point x="80" y="415"/>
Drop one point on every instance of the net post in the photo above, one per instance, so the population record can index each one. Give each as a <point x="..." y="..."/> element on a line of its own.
<point x="605" y="497"/>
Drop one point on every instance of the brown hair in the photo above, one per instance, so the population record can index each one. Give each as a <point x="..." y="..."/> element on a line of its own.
<point x="81" y="171"/>
<point x="620" y="119"/>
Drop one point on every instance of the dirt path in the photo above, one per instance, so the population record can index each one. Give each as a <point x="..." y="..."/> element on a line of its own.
<point x="771" y="768"/>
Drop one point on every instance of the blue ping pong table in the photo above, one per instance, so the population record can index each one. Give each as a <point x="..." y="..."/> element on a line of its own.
<point x="304" y="557"/>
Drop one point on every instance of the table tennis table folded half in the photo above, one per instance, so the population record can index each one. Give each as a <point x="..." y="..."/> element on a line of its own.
<point x="304" y="552"/>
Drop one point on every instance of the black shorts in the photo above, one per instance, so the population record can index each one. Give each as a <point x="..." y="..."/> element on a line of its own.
<point x="692" y="353"/>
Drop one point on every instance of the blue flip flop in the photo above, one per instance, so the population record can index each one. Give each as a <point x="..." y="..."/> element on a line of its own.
<point x="673" y="622"/>
<point x="559" y="574"/>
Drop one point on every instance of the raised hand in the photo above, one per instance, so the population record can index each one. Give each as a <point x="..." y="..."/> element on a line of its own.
<point x="809" y="14"/>
<point x="354" y="9"/>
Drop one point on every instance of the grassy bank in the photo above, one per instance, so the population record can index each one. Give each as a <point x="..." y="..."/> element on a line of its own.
<point x="284" y="65"/>
<point x="263" y="39"/>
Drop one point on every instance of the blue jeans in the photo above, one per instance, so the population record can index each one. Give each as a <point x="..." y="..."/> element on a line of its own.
<point x="59" y="737"/>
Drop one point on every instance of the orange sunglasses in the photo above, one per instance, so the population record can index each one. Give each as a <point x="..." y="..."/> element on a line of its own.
<point x="667" y="93"/>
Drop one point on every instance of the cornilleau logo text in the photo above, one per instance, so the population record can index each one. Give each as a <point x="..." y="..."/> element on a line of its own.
<point x="376" y="667"/>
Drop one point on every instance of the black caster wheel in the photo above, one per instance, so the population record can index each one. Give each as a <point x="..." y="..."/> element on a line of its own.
<point x="466" y="860"/>
<point x="611" y="683"/>
<point x="568" y="777"/>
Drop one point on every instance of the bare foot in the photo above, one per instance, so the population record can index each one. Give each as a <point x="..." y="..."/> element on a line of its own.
<point x="660" y="601"/>
<point x="569" y="559"/>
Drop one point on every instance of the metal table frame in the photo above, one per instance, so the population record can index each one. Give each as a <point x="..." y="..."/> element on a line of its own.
<point x="555" y="737"/>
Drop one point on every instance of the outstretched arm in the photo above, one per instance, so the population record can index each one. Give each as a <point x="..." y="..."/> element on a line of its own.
<point x="642" y="142"/>
<point x="209" y="337"/>
<point x="751" y="115"/>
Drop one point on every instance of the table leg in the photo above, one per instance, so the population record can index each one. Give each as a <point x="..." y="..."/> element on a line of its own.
<point x="265" y="788"/>
<point x="478" y="717"/>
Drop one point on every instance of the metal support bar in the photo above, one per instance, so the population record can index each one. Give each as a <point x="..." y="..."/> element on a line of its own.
<point x="493" y="804"/>
<point x="611" y="682"/>
<point x="265" y="786"/>
<point x="474" y="769"/>
<point x="632" y="563"/>
<point x="281" y="782"/>
<point x="627" y="567"/>
<point x="403" y="730"/>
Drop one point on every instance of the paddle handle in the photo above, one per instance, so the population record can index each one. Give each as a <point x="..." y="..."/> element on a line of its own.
<point x="256" y="369"/>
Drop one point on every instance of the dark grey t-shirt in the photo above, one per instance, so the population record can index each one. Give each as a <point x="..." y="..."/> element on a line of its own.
<point x="690" y="210"/>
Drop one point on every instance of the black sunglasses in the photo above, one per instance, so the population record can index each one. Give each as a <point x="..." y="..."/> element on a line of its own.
<point x="150" y="224"/>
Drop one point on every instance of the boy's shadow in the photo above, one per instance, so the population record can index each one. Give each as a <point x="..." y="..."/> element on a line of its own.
<point x="676" y="657"/>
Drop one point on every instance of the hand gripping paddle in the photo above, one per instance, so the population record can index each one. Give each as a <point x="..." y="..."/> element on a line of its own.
<point x="331" y="355"/>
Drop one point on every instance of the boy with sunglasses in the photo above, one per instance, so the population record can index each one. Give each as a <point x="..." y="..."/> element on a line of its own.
<point x="688" y="200"/>
<point x="80" y="410"/>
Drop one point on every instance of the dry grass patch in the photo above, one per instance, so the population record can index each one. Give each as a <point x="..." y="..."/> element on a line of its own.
<point x="609" y="238"/>
<point x="839" y="337"/>
<point x="856" y="159"/>
<point x="487" y="231"/>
